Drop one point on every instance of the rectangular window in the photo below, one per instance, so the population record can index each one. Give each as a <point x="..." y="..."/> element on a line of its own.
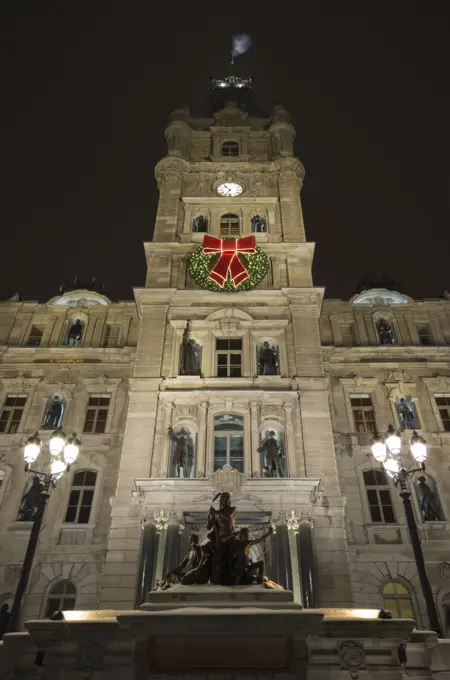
<point x="81" y="497"/>
<point x="229" y="358"/>
<point x="35" y="337"/>
<point x="363" y="413"/>
<point x="443" y="404"/>
<point x="112" y="336"/>
<point x="96" y="414"/>
<point x="379" y="497"/>
<point x="11" y="414"/>
<point x="424" y="332"/>
<point x="348" y="334"/>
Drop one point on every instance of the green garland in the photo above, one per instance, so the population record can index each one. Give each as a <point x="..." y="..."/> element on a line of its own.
<point x="200" y="265"/>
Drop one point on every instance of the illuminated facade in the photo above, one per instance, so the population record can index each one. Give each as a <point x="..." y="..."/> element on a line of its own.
<point x="228" y="342"/>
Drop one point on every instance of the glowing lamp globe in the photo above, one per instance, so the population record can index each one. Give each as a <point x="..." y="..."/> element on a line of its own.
<point x="57" y="466"/>
<point x="393" y="441"/>
<point x="56" y="443"/>
<point x="379" y="449"/>
<point x="32" y="449"/>
<point x="392" y="467"/>
<point x="71" y="449"/>
<point x="418" y="448"/>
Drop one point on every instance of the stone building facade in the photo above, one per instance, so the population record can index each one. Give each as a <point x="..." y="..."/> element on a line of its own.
<point x="339" y="371"/>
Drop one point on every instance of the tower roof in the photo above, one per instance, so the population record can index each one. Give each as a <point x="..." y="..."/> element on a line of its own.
<point x="235" y="90"/>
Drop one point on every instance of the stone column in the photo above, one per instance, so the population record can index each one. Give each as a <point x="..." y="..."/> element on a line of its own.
<point x="292" y="528"/>
<point x="90" y="329"/>
<point x="283" y="557"/>
<point x="437" y="328"/>
<point x="172" y="549"/>
<point x="162" y="523"/>
<point x="255" y="456"/>
<point x="200" y="463"/>
<point x="307" y="565"/>
<point x="48" y="330"/>
<point x="147" y="563"/>
<point x="160" y="464"/>
<point x="362" y="330"/>
<point x="290" y="441"/>
<point x="371" y="331"/>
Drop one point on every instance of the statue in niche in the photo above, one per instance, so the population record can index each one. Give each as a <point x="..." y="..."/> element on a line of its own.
<point x="189" y="355"/>
<point x="75" y="333"/>
<point x="273" y="454"/>
<point x="182" y="464"/>
<point x="224" y="553"/>
<point x="29" y="503"/>
<point x="258" y="225"/>
<point x="429" y="504"/>
<point x="53" y="414"/>
<point x="268" y="360"/>
<point x="407" y="414"/>
<point x="385" y="333"/>
<point x="200" y="225"/>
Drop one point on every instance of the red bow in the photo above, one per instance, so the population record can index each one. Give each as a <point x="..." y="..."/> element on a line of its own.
<point x="229" y="260"/>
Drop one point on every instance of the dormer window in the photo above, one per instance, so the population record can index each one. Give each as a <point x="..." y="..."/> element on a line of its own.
<point x="230" y="149"/>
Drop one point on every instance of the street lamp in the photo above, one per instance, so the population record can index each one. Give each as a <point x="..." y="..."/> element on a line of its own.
<point x="387" y="451"/>
<point x="63" y="452"/>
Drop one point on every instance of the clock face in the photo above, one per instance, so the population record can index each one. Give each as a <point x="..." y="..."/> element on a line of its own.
<point x="229" y="189"/>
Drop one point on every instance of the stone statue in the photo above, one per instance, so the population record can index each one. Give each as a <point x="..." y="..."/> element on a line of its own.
<point x="189" y="355"/>
<point x="406" y="414"/>
<point x="385" y="333"/>
<point x="267" y="360"/>
<point x="75" y="333"/>
<point x="273" y="454"/>
<point x="428" y="502"/>
<point x="258" y="225"/>
<point x="193" y="558"/>
<point x="53" y="414"/>
<point x="28" y="504"/>
<point x="183" y="452"/>
<point x="200" y="224"/>
<point x="223" y="556"/>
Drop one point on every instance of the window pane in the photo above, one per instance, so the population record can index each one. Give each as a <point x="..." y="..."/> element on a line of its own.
<point x="222" y="372"/>
<point x="388" y="513"/>
<point x="389" y="588"/>
<point x="90" y="478"/>
<point x="52" y="607"/>
<point x="74" y="497"/>
<point x="385" y="497"/>
<point x="235" y="359"/>
<point x="84" y="514"/>
<point x="375" y="513"/>
<point x="71" y="513"/>
<point x="380" y="477"/>
<point x="369" y="478"/>
<point x="235" y="372"/>
<point x="78" y="478"/>
<point x="400" y="589"/>
<point x="406" y="610"/>
<point x="68" y="603"/>
<point x="391" y="606"/>
<point x="236" y="344"/>
<point x="87" y="497"/>
<point x="222" y="344"/>
<point x="100" y="426"/>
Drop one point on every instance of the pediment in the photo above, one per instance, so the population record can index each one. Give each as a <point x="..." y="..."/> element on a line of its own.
<point x="229" y="313"/>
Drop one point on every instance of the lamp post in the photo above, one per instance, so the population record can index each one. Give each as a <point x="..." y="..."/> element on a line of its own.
<point x="63" y="452"/>
<point x="387" y="451"/>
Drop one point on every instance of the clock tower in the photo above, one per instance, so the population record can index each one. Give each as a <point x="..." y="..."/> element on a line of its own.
<point x="228" y="390"/>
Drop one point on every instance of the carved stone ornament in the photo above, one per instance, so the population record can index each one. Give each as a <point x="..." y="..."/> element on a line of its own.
<point x="80" y="303"/>
<point x="442" y="382"/>
<point x="292" y="521"/>
<point x="352" y="657"/>
<point x="63" y="377"/>
<point x="227" y="479"/>
<point x="228" y="326"/>
<point x="185" y="411"/>
<point x="272" y="413"/>
<point x="398" y="377"/>
<point x="162" y="521"/>
<point x="90" y="657"/>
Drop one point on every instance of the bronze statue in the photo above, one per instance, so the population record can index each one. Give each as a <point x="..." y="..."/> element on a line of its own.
<point x="244" y="571"/>
<point x="189" y="355"/>
<point x="29" y="502"/>
<point x="385" y="333"/>
<point x="53" y="414"/>
<point x="428" y="502"/>
<point x="258" y="224"/>
<point x="75" y="333"/>
<point x="200" y="224"/>
<point x="267" y="360"/>
<point x="193" y="557"/>
<point x="222" y="558"/>
<point x="183" y="454"/>
<point x="406" y="414"/>
<point x="271" y="450"/>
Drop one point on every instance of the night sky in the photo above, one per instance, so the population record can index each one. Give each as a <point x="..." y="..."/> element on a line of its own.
<point x="87" y="88"/>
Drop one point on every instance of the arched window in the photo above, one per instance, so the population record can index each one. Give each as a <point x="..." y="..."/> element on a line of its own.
<point x="386" y="334"/>
<point x="230" y="149"/>
<point x="397" y="600"/>
<point x="229" y="441"/>
<point x="62" y="596"/>
<point x="81" y="497"/>
<point x="378" y="496"/>
<point x="229" y="225"/>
